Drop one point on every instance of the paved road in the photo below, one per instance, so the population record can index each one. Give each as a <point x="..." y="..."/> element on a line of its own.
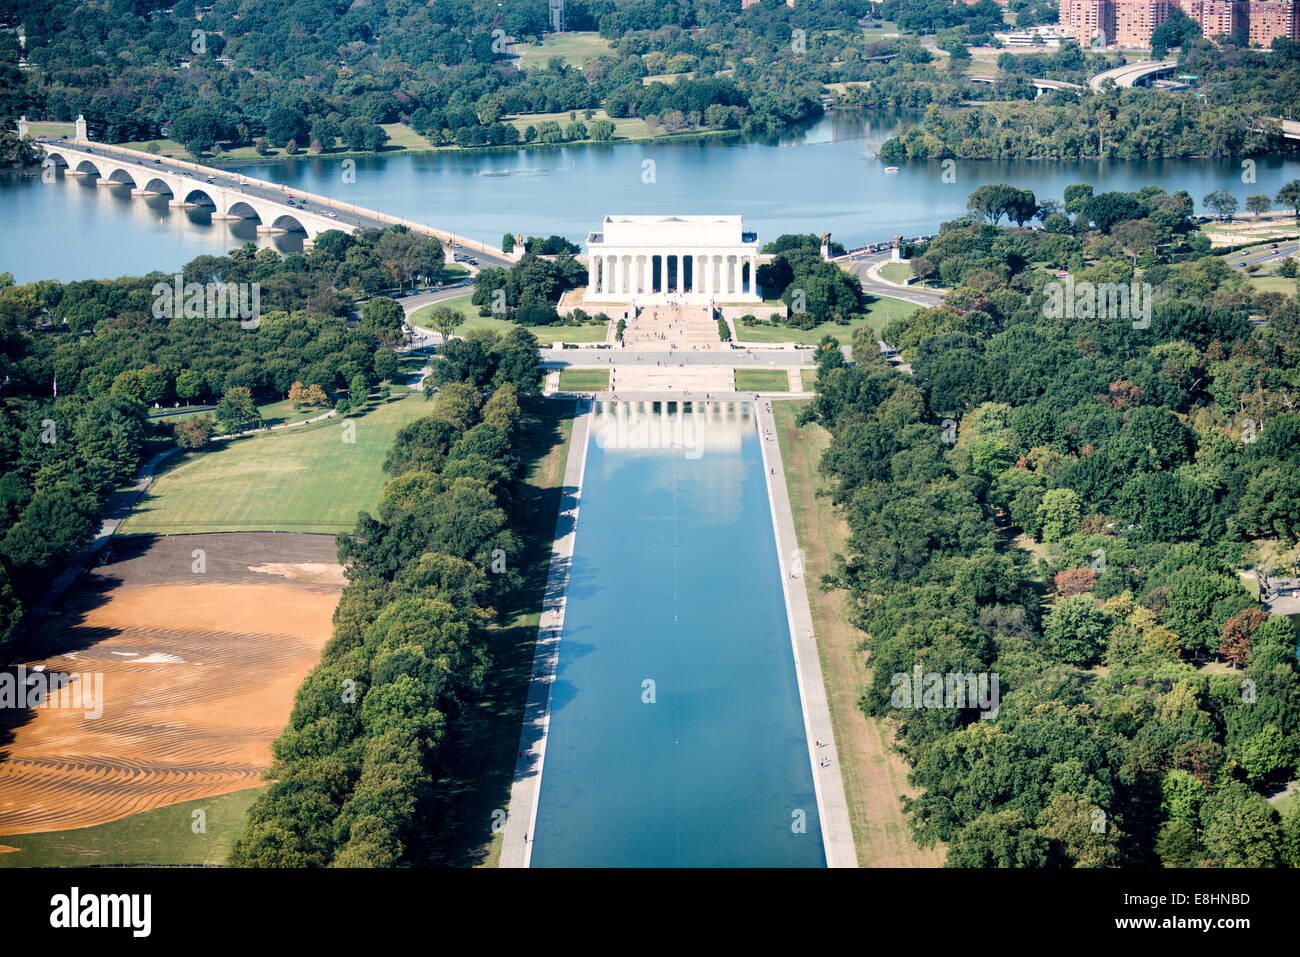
<point x="1130" y="73"/>
<point x="733" y="358"/>
<point x="1263" y="256"/>
<point x="874" y="286"/>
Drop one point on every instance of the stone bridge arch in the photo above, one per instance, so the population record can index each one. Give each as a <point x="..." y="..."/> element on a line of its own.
<point x="196" y="196"/>
<point x="286" y="222"/>
<point x="85" y="166"/>
<point x="121" y="175"/>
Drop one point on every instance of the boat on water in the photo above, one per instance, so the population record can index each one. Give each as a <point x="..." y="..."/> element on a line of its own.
<point x="891" y="169"/>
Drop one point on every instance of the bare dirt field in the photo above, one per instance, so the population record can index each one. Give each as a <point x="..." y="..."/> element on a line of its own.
<point x="201" y="641"/>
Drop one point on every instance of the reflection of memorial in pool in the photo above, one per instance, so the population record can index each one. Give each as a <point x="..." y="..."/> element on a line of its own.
<point x="676" y="735"/>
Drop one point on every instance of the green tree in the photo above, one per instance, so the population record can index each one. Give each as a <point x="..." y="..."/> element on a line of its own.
<point x="236" y="412"/>
<point x="1076" y="630"/>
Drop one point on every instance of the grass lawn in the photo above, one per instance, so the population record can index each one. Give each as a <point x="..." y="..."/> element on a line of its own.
<point x="277" y="413"/>
<point x="875" y="777"/>
<point x="274" y="413"/>
<point x="53" y="130"/>
<point x="627" y="127"/>
<point x="762" y="380"/>
<point x="584" y="380"/>
<point x="809" y="378"/>
<point x="897" y="272"/>
<point x="575" y="48"/>
<point x="481" y="766"/>
<point x="880" y="311"/>
<point x="1271" y="282"/>
<point x="163" y="837"/>
<point x="546" y="335"/>
<point x="306" y="479"/>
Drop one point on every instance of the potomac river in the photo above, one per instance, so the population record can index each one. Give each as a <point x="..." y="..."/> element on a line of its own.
<point x="823" y="177"/>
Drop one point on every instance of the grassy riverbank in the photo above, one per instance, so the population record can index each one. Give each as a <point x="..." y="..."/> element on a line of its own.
<point x="875" y="777"/>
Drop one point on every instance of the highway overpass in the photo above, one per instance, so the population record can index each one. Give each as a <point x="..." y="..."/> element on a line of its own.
<point x="1133" y="74"/>
<point x="1039" y="83"/>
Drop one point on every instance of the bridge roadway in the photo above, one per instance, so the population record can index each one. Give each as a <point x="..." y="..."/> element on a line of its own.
<point x="233" y="195"/>
<point x="1132" y="74"/>
<point x="1039" y="83"/>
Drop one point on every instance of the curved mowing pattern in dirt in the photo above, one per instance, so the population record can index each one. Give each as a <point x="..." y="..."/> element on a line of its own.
<point x="198" y="679"/>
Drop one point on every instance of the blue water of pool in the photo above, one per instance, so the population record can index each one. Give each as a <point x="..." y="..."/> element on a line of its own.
<point x="676" y="735"/>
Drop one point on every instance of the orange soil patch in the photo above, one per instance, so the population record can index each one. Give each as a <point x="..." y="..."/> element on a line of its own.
<point x="198" y="680"/>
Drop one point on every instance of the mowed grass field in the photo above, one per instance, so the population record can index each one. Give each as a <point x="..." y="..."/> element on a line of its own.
<point x="546" y="335"/>
<point x="584" y="380"/>
<point x="575" y="48"/>
<point x="762" y="380"/>
<point x="164" y="837"/>
<point x="875" y="777"/>
<point x="880" y="311"/>
<point x="304" y="479"/>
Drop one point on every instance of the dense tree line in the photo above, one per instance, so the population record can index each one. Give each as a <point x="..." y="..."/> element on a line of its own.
<point x="1142" y="685"/>
<point x="815" y="291"/>
<point x="242" y="75"/>
<point x="357" y="766"/>
<point x="1242" y="90"/>
<point x="113" y="353"/>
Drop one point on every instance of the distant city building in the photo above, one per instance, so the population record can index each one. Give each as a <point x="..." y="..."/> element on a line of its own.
<point x="1216" y="17"/>
<point x="1048" y="34"/>
<point x="1270" y="19"/>
<point x="1136" y="20"/>
<point x="1088" y="20"/>
<point x="1130" y="23"/>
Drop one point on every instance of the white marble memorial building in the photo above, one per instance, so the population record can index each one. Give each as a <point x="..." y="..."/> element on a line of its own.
<point x="693" y="260"/>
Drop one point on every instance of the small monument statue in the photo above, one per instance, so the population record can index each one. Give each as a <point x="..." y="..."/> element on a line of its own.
<point x="82" y="136"/>
<point x="22" y="126"/>
<point x="826" y="246"/>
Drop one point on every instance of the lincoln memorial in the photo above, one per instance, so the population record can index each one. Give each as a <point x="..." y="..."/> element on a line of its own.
<point x="694" y="260"/>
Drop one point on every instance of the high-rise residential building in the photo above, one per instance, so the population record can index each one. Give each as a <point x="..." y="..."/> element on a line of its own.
<point x="1270" y="19"/>
<point x="1216" y="17"/>
<point x="1136" y="20"/>
<point x="1086" y="20"/>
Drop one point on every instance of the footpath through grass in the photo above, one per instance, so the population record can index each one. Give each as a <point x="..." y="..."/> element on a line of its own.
<point x="163" y="837"/>
<point x="875" y="777"/>
<point x="480" y="765"/>
<point x="310" y="478"/>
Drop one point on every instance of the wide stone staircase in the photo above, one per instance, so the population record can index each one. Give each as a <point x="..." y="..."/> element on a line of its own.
<point x="673" y="328"/>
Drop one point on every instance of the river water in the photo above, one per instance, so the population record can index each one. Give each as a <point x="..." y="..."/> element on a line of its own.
<point x="825" y="177"/>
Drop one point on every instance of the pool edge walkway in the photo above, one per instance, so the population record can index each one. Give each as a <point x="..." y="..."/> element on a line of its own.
<point x="521" y="818"/>
<point x="832" y="808"/>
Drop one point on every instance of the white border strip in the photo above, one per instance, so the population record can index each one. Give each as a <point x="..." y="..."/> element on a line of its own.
<point x="525" y="792"/>
<point x="832" y="809"/>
